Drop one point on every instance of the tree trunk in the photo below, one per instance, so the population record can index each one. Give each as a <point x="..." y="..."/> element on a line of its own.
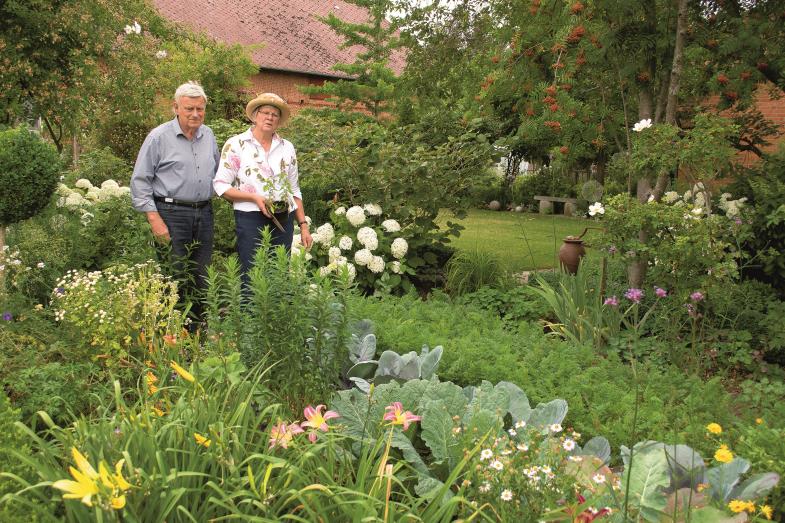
<point x="75" y="149"/>
<point x="510" y="174"/>
<point x="678" y="56"/>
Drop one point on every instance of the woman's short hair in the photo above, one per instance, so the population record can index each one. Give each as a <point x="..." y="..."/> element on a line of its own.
<point x="190" y="89"/>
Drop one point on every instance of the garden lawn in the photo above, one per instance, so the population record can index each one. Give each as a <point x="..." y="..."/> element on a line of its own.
<point x="523" y="241"/>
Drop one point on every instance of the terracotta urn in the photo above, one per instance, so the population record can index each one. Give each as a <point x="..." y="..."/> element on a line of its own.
<point x="570" y="253"/>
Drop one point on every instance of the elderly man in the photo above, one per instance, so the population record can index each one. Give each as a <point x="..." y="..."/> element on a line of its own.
<point x="172" y="184"/>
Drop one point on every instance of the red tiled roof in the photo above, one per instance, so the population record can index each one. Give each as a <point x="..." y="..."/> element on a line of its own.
<point x="293" y="38"/>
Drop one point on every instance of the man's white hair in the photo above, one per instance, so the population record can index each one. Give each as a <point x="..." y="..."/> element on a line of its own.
<point x="190" y="89"/>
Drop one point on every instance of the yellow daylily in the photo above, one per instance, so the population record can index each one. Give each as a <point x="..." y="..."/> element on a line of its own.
<point x="83" y="488"/>
<point x="201" y="440"/>
<point x="158" y="412"/>
<point x="87" y="482"/>
<point x="187" y="376"/>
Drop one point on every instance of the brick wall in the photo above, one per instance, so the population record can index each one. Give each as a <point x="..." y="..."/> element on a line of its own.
<point x="285" y="85"/>
<point x="772" y="108"/>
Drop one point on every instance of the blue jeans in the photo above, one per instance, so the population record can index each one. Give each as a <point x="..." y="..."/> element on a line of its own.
<point x="249" y="226"/>
<point x="190" y="250"/>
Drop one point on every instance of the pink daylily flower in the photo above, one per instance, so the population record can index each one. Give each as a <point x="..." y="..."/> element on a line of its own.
<point x="397" y="416"/>
<point x="282" y="434"/>
<point x="315" y="420"/>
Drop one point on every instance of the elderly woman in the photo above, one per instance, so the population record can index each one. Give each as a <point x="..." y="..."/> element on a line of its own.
<point x="258" y="174"/>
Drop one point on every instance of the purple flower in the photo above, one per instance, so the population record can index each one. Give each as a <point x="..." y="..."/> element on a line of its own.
<point x="60" y="290"/>
<point x="7" y="316"/>
<point x="691" y="311"/>
<point x="634" y="295"/>
<point x="660" y="292"/>
<point x="737" y="220"/>
<point x="696" y="296"/>
<point x="613" y="301"/>
<point x="612" y="250"/>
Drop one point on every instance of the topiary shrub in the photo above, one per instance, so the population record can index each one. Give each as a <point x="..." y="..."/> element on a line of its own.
<point x="29" y="171"/>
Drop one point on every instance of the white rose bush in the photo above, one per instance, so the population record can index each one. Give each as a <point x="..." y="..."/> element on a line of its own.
<point x="369" y="247"/>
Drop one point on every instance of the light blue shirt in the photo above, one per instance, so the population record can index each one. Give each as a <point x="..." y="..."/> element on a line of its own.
<point x="170" y="165"/>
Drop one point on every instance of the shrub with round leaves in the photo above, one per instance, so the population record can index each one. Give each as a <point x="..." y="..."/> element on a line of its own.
<point x="29" y="171"/>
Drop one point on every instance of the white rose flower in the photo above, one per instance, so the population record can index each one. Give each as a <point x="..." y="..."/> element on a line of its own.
<point x="596" y="208"/>
<point x="326" y="233"/>
<point x="643" y="124"/>
<point x="340" y="210"/>
<point x="376" y="265"/>
<point x="83" y="183"/>
<point x="333" y="253"/>
<point x="391" y="225"/>
<point x="372" y="209"/>
<point x="399" y="248"/>
<point x="363" y="257"/>
<point x="367" y="237"/>
<point x="345" y="243"/>
<point x="395" y="267"/>
<point x="355" y="215"/>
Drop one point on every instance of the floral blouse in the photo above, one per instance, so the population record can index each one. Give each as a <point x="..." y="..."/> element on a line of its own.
<point x="246" y="166"/>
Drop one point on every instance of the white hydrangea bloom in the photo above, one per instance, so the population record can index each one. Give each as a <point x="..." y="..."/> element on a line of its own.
<point x="399" y="248"/>
<point x="367" y="237"/>
<point x="395" y="267"/>
<point x="74" y="200"/>
<point x="63" y="190"/>
<point x="376" y="265"/>
<point x="670" y="197"/>
<point x="125" y="191"/>
<point x="333" y="253"/>
<point x="93" y="194"/>
<point x="325" y="233"/>
<point x="355" y="215"/>
<point x="372" y="209"/>
<point x="83" y="183"/>
<point x="340" y="210"/>
<point x="391" y="225"/>
<point x="345" y="243"/>
<point x="110" y="184"/>
<point x="363" y="257"/>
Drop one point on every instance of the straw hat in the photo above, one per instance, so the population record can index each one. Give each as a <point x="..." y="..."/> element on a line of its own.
<point x="268" y="99"/>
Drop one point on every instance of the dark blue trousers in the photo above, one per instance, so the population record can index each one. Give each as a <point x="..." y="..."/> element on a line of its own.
<point x="190" y="250"/>
<point x="249" y="226"/>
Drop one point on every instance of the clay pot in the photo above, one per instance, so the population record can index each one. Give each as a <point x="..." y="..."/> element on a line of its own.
<point x="570" y="254"/>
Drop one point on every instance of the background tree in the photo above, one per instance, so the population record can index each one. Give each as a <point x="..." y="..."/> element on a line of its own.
<point x="373" y="81"/>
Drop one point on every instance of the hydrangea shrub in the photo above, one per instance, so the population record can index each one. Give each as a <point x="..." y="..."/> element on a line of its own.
<point x="370" y="247"/>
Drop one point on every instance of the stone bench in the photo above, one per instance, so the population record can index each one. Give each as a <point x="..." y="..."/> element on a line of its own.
<point x="546" y="204"/>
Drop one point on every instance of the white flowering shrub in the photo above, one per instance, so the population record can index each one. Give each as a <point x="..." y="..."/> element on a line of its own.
<point x="371" y="247"/>
<point x="692" y="242"/>
<point x="111" y="308"/>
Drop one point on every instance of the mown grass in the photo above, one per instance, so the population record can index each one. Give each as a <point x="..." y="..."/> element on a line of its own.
<point x="523" y="241"/>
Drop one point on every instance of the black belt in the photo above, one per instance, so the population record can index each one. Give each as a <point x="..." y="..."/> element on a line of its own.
<point x="181" y="203"/>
